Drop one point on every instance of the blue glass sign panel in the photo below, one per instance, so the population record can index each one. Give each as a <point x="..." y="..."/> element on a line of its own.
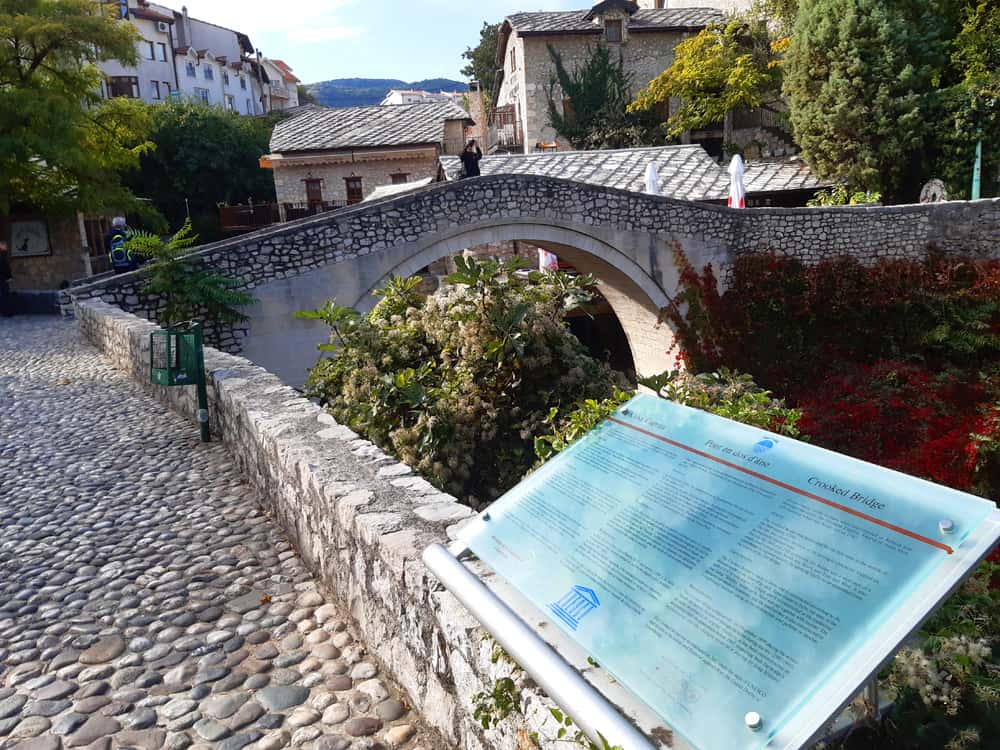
<point x="716" y="569"/>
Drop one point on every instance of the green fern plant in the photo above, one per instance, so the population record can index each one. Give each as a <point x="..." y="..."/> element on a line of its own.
<point x="189" y="289"/>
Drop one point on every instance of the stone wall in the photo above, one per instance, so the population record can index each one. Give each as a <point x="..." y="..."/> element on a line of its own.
<point x="65" y="263"/>
<point x="360" y="521"/>
<point x="346" y="254"/>
<point x="290" y="186"/>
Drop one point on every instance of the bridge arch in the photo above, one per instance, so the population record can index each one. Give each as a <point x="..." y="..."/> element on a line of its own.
<point x="634" y="297"/>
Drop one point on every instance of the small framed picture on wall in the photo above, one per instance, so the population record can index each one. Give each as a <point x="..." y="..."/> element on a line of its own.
<point x="29" y="237"/>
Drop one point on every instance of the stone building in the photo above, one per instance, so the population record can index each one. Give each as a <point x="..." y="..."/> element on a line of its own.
<point x="644" y="37"/>
<point x="327" y="158"/>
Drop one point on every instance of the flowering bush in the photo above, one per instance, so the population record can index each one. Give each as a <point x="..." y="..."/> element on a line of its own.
<point x="459" y="384"/>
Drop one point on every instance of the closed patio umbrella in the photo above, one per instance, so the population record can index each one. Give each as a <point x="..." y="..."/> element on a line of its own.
<point x="737" y="193"/>
<point x="652" y="179"/>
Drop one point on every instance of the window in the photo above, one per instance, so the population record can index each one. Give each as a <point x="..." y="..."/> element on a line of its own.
<point x="190" y="70"/>
<point x="314" y="192"/>
<point x="126" y="86"/>
<point x="400" y="178"/>
<point x="355" y="191"/>
<point x="156" y="89"/>
<point x="149" y="50"/>
<point x="663" y="110"/>
<point x="209" y="73"/>
<point x="161" y="51"/>
<point x="249" y="107"/>
<point x="225" y="77"/>
<point x="513" y="59"/>
<point x="229" y="103"/>
<point x="613" y="30"/>
<point x="243" y="82"/>
<point x="661" y="3"/>
<point x="202" y="94"/>
<point x="166" y="88"/>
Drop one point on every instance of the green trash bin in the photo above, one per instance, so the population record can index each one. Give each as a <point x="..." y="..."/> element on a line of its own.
<point x="177" y="358"/>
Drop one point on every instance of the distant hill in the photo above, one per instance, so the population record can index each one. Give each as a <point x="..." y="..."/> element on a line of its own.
<point x="357" y="92"/>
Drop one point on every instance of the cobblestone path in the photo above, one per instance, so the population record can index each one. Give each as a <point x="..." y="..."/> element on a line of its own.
<point x="145" y="599"/>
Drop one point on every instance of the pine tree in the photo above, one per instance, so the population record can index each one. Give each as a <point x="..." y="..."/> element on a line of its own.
<point x="857" y="76"/>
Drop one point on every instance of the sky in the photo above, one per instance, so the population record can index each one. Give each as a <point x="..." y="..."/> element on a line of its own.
<point x="324" y="39"/>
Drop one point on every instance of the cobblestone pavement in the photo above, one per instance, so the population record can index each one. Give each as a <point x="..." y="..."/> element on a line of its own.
<point x="145" y="599"/>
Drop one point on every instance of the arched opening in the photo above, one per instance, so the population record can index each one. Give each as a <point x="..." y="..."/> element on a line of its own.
<point x="632" y="295"/>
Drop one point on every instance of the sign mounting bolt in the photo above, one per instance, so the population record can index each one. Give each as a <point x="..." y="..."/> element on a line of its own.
<point x="753" y="721"/>
<point x="947" y="526"/>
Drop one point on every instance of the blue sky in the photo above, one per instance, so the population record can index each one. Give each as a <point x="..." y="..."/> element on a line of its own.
<point x="324" y="39"/>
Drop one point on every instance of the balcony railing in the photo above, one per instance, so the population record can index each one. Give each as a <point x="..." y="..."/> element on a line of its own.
<point x="246" y="218"/>
<point x="508" y="130"/>
<point x="295" y="211"/>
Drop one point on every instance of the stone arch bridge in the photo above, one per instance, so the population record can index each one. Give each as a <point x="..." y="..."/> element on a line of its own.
<point x="625" y="239"/>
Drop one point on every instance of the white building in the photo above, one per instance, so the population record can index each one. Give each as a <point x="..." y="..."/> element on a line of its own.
<point x="402" y="96"/>
<point x="180" y="56"/>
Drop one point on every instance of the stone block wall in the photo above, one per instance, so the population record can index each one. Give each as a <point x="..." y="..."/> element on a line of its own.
<point x="290" y="186"/>
<point x="360" y="521"/>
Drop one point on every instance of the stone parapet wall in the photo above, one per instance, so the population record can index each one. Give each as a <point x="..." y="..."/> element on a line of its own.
<point x="360" y="521"/>
<point x="295" y="248"/>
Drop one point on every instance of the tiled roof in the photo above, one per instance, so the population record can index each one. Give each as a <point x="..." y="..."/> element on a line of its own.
<point x="686" y="172"/>
<point x="365" y="127"/>
<point x="575" y="21"/>
<point x="286" y="70"/>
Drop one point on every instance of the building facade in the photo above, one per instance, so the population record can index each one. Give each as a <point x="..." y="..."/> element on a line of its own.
<point x="183" y="57"/>
<point x="329" y="158"/>
<point x="401" y="96"/>
<point x="644" y="37"/>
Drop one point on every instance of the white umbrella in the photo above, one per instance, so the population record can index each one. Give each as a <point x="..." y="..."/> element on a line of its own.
<point x="652" y="179"/>
<point x="737" y="193"/>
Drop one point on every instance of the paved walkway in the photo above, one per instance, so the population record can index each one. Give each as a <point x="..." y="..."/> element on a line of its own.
<point x="145" y="599"/>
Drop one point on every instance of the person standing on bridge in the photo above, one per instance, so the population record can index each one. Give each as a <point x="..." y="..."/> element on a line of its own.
<point x="470" y="159"/>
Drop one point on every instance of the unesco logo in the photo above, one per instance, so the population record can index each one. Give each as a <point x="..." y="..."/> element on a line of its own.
<point x="765" y="445"/>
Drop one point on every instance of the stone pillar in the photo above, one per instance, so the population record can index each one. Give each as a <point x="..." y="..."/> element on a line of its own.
<point x="477" y="110"/>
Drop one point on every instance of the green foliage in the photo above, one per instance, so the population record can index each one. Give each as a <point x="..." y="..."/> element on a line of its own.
<point x="61" y="146"/>
<point x="733" y="396"/>
<point x="190" y="290"/>
<point x="589" y="106"/>
<point x="948" y="688"/>
<point x="721" y="69"/>
<point x="577" y="423"/>
<point x="458" y="385"/>
<point x="305" y="95"/>
<point x="482" y="58"/>
<point x="857" y="76"/>
<point x="840" y="196"/>
<point x="205" y="156"/>
<point x="493" y="707"/>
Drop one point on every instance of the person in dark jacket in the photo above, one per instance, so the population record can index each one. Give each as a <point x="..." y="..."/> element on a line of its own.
<point x="6" y="298"/>
<point x="470" y="159"/>
<point x="116" y="240"/>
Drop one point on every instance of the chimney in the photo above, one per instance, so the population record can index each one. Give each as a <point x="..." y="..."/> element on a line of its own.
<point x="477" y="110"/>
<point x="188" y="41"/>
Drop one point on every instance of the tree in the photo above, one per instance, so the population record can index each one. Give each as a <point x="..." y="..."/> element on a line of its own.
<point x="205" y="156"/>
<point x="857" y="76"/>
<point x="305" y="95"/>
<point x="589" y="107"/>
<point x="482" y="59"/>
<point x="188" y="288"/>
<point x="722" y="69"/>
<point x="61" y="146"/>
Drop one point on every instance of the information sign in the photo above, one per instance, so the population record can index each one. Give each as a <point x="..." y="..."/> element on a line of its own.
<point x="723" y="574"/>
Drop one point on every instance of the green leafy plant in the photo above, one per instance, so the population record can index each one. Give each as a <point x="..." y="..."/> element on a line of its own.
<point x="489" y="709"/>
<point x="839" y="195"/>
<point x="459" y="384"/>
<point x="189" y="289"/>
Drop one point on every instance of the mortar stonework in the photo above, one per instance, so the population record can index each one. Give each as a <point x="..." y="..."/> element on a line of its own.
<point x="347" y="254"/>
<point x="360" y="520"/>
